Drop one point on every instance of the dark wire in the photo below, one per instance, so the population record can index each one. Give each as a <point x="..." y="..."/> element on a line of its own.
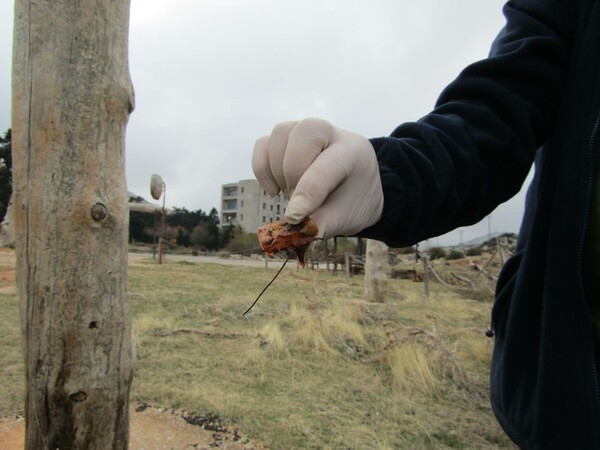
<point x="267" y="286"/>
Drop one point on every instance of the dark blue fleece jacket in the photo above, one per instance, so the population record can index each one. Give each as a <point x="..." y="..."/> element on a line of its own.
<point x="536" y="98"/>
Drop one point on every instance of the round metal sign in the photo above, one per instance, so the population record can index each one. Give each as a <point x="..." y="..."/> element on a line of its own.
<point x="156" y="186"/>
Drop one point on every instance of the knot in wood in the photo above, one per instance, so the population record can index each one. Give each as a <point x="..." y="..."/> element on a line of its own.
<point x="99" y="212"/>
<point x="78" y="397"/>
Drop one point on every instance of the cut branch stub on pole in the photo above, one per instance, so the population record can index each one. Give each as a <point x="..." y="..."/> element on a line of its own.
<point x="72" y="96"/>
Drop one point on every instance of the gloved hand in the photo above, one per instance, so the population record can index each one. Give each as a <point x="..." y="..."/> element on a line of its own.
<point x="326" y="172"/>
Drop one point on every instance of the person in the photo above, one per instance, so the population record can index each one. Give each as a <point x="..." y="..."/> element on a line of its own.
<point x="534" y="101"/>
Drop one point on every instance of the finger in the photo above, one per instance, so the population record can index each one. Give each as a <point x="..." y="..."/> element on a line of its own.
<point x="324" y="175"/>
<point x="277" y="145"/>
<point x="262" y="168"/>
<point x="305" y="143"/>
<point x="320" y="217"/>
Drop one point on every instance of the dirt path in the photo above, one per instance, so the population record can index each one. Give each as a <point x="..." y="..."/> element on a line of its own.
<point x="152" y="429"/>
<point x="232" y="261"/>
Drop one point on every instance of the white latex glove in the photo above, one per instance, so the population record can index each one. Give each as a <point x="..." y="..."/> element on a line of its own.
<point x="326" y="172"/>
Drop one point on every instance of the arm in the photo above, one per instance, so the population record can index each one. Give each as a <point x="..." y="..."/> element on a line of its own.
<point x="474" y="150"/>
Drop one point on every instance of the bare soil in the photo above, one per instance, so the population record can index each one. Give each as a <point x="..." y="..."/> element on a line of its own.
<point x="153" y="429"/>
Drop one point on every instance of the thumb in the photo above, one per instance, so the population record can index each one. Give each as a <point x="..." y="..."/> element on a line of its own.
<point x="324" y="175"/>
<point x="297" y="209"/>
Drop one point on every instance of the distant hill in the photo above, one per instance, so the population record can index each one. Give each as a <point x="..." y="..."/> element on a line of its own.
<point x="480" y="240"/>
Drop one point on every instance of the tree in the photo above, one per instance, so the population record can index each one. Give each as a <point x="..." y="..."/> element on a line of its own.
<point x="183" y="238"/>
<point x="185" y="222"/>
<point x="454" y="254"/>
<point x="213" y="230"/>
<point x="188" y="227"/>
<point x="5" y="173"/>
<point x="436" y="253"/>
<point x="200" y="235"/>
<point x="72" y="96"/>
<point x="143" y="226"/>
<point x="226" y="235"/>
<point x="242" y="242"/>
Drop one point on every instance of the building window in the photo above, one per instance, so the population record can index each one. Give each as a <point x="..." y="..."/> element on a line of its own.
<point x="242" y="203"/>
<point x="264" y="206"/>
<point x="241" y="217"/>
<point x="271" y="207"/>
<point x="242" y="189"/>
<point x="264" y="219"/>
<point x="231" y="191"/>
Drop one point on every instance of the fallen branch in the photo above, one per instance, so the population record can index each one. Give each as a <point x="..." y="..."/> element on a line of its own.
<point x="198" y="332"/>
<point x="482" y="270"/>
<point x="438" y="277"/>
<point x="486" y="263"/>
<point x="412" y="333"/>
<point x="464" y="279"/>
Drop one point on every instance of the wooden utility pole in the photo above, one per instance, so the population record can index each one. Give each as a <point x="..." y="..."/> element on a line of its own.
<point x="426" y="268"/>
<point x="72" y="97"/>
<point x="376" y="267"/>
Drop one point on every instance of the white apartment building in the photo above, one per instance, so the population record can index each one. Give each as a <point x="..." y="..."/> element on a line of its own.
<point x="245" y="203"/>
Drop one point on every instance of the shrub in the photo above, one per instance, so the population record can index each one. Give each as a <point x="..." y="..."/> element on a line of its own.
<point x="436" y="253"/>
<point x="244" y="243"/>
<point x="473" y="251"/>
<point x="454" y="254"/>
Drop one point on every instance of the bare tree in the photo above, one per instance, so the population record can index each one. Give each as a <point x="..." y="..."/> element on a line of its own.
<point x="376" y="271"/>
<point x="72" y="97"/>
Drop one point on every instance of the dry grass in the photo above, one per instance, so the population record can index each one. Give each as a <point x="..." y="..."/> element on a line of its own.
<point x="312" y="366"/>
<point x="413" y="369"/>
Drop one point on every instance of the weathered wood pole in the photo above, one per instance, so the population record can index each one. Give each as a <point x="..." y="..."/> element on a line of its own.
<point x="72" y="96"/>
<point x="347" y="266"/>
<point x="376" y="266"/>
<point x="502" y="245"/>
<point x="426" y="275"/>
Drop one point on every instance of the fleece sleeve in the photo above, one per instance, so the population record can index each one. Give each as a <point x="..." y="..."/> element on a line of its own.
<point x="474" y="150"/>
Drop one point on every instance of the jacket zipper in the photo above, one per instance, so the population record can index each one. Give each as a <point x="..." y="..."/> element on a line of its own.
<point x="586" y="219"/>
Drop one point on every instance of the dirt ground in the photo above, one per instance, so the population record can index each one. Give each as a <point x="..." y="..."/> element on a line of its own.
<point x="150" y="428"/>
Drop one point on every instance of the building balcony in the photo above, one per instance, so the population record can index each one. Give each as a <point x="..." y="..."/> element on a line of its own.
<point x="229" y="192"/>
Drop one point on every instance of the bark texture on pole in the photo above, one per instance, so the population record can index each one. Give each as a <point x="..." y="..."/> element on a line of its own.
<point x="72" y="96"/>
<point x="376" y="267"/>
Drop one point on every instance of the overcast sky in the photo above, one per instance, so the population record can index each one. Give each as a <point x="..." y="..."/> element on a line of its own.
<point x="212" y="76"/>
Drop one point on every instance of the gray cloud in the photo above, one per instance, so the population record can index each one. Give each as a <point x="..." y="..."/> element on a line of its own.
<point x="212" y="76"/>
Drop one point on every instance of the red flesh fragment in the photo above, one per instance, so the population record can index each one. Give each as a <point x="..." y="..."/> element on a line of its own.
<point x="277" y="236"/>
